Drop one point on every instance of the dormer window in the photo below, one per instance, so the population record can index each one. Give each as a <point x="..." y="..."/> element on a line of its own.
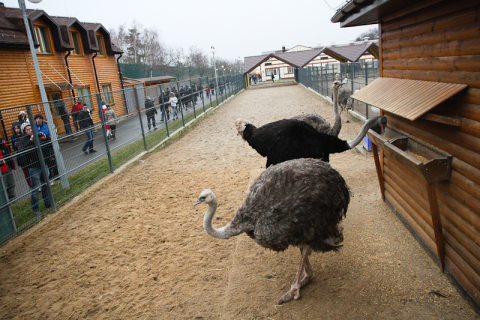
<point x="43" y="40"/>
<point x="75" y="37"/>
<point x="101" y="45"/>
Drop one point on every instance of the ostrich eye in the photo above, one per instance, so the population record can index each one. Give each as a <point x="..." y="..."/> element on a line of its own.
<point x="202" y="198"/>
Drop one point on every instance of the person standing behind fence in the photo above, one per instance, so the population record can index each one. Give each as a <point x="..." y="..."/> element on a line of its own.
<point x="173" y="102"/>
<point x="111" y="120"/>
<point x="77" y="107"/>
<point x="48" y="150"/>
<point x="7" y="167"/>
<point x="17" y="135"/>
<point x="151" y="112"/>
<point x="212" y="88"/>
<point x="30" y="159"/>
<point x="85" y="122"/>
<point x="62" y="111"/>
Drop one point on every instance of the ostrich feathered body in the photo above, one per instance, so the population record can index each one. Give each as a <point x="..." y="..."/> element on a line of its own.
<point x="298" y="202"/>
<point x="289" y="139"/>
<point x="318" y="123"/>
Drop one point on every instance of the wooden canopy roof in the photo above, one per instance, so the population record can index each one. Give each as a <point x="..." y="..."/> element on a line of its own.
<point x="407" y="98"/>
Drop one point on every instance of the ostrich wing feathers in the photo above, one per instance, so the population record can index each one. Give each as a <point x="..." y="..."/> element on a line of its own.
<point x="293" y="203"/>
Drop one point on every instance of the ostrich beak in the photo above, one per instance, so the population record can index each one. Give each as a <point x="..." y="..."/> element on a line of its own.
<point x="197" y="202"/>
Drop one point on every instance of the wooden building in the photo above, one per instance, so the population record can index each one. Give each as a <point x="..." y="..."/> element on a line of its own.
<point x="430" y="92"/>
<point x="76" y="60"/>
<point x="282" y="63"/>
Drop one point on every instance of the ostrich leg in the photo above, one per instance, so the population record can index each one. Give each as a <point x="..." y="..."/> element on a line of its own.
<point x="294" y="292"/>
<point x="308" y="273"/>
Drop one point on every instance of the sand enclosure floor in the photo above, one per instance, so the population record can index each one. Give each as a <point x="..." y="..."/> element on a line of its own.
<point x="136" y="249"/>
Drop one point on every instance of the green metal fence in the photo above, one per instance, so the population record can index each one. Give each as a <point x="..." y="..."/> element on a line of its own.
<point x="355" y="76"/>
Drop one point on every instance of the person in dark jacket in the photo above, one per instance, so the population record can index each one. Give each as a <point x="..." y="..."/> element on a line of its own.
<point x="62" y="111"/>
<point x="7" y="166"/>
<point x="30" y="159"/>
<point x="49" y="153"/>
<point x="151" y="112"/>
<point x="16" y="135"/>
<point x="212" y="88"/>
<point x="85" y="122"/>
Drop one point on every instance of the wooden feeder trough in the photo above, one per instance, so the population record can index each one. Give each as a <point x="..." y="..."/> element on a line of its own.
<point x="428" y="163"/>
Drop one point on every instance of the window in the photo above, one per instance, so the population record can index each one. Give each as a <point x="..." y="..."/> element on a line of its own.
<point x="100" y="45"/>
<point x="269" y="72"/>
<point x="268" y="63"/>
<point x="107" y="93"/>
<point x="324" y="58"/>
<point x="77" y="50"/>
<point x="290" y="70"/>
<point x="84" y="97"/>
<point x="43" y="40"/>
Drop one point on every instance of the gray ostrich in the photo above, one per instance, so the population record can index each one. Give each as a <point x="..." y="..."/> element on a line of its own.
<point x="298" y="202"/>
<point x="318" y="122"/>
<point x="344" y="97"/>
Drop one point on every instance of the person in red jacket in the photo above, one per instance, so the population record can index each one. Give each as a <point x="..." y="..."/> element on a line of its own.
<point x="77" y="107"/>
<point x="7" y="166"/>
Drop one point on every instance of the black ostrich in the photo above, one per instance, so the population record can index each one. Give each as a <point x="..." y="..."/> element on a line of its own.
<point x="298" y="202"/>
<point x="319" y="123"/>
<point x="289" y="139"/>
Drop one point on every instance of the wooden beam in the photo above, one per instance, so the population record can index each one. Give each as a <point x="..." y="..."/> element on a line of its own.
<point x="437" y="223"/>
<point x="442" y="119"/>
<point x="379" y="170"/>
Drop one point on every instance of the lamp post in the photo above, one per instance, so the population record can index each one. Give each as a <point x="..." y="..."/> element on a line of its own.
<point x="43" y="94"/>
<point x="213" y="50"/>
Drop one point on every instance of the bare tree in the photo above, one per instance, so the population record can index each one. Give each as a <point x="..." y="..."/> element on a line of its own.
<point x="151" y="51"/>
<point x="176" y="61"/>
<point x="371" y="33"/>
<point x="133" y="39"/>
<point x="119" y="37"/>
<point x="192" y="60"/>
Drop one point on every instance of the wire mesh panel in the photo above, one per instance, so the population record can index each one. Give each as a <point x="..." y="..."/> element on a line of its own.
<point x="48" y="162"/>
<point x="354" y="76"/>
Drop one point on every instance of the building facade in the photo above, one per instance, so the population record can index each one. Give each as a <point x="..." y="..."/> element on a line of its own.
<point x="76" y="60"/>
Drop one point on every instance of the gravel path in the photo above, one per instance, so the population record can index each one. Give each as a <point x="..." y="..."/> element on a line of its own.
<point x="135" y="248"/>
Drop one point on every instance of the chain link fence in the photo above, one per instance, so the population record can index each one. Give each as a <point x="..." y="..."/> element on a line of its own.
<point x="354" y="75"/>
<point x="45" y="164"/>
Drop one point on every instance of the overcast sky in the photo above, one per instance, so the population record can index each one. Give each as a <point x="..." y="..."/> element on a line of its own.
<point x="235" y="28"/>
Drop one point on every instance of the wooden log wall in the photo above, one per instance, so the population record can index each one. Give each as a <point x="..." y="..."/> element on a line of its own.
<point x="18" y="80"/>
<point x="437" y="40"/>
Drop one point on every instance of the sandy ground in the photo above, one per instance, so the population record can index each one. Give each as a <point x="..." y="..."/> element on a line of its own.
<point x="136" y="249"/>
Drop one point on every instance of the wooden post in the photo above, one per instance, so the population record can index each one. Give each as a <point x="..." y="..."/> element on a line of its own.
<point x="437" y="223"/>
<point x="379" y="170"/>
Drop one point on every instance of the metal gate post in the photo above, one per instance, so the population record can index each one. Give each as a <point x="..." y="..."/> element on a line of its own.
<point x="140" y="117"/>
<point x="366" y="84"/>
<point x="180" y="104"/>
<point x="104" y="131"/>
<point x="162" y="107"/>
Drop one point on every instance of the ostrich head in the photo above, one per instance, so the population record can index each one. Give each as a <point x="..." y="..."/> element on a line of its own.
<point x="380" y="123"/>
<point x="241" y="124"/>
<point x="206" y="196"/>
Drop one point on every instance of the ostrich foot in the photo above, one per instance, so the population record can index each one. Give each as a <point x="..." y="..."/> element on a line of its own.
<point x="293" y="293"/>
<point x="305" y="267"/>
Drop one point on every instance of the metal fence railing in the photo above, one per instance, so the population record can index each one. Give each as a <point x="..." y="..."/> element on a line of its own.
<point x="356" y="76"/>
<point x="44" y="164"/>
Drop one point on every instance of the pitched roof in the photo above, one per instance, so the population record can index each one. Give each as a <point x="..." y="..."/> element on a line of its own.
<point x="14" y="35"/>
<point x="298" y="59"/>
<point x="353" y="51"/>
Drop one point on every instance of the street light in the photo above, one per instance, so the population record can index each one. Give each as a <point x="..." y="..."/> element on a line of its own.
<point x="43" y="94"/>
<point x="213" y="50"/>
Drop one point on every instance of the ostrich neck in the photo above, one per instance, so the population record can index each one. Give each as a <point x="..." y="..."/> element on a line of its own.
<point x="370" y="123"/>
<point x="222" y="233"/>
<point x="337" y="125"/>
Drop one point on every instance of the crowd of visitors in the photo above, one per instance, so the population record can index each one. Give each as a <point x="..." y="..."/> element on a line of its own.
<point x="19" y="150"/>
